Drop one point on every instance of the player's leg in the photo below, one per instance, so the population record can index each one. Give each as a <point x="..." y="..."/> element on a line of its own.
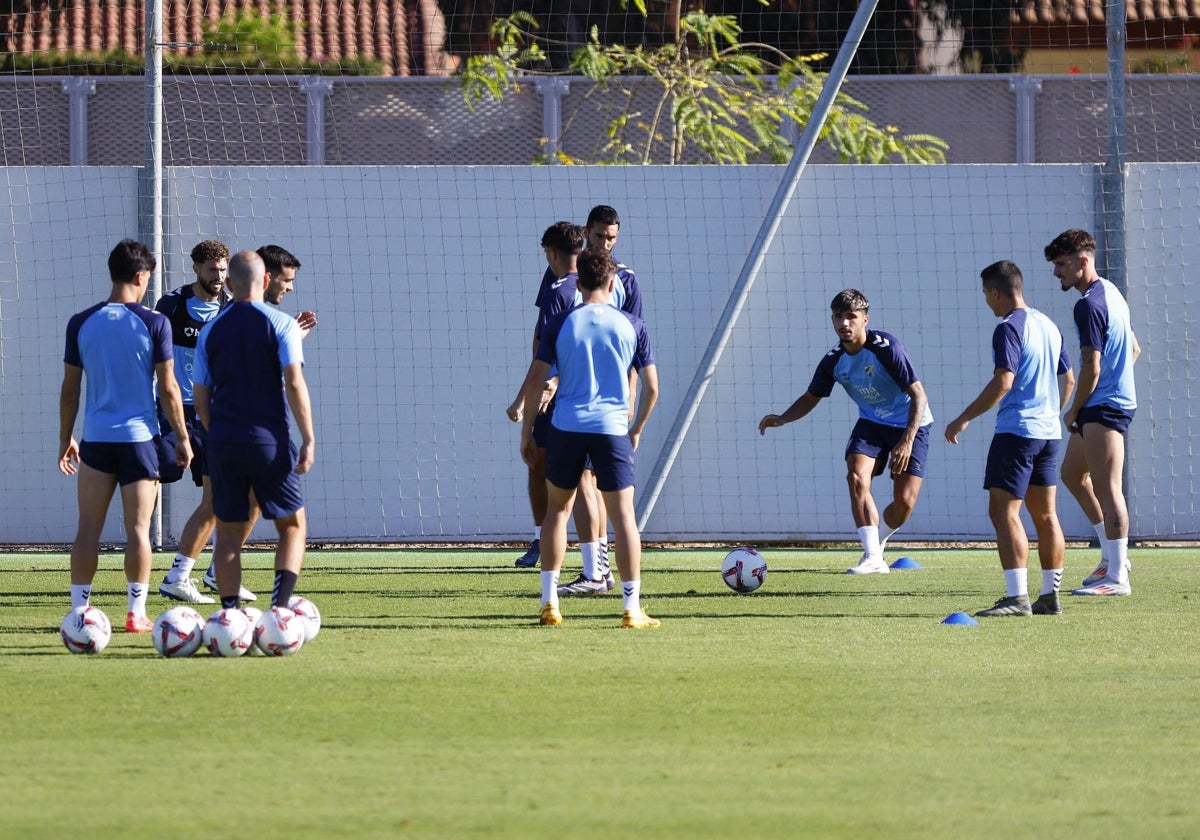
<point x="589" y="514"/>
<point x="1078" y="480"/>
<point x="612" y="456"/>
<point x="94" y="489"/>
<point x="227" y="558"/>
<point x="860" y="469"/>
<point x="197" y="531"/>
<point x="537" y="492"/>
<point x="1043" y="510"/>
<point x="289" y="555"/>
<point x="1104" y="451"/>
<point x="906" y="488"/>
<point x="138" y="500"/>
<point x="565" y="457"/>
<point x="1006" y="478"/>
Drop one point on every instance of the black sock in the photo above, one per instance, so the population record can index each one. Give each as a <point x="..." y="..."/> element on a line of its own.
<point x="285" y="585"/>
<point x="232" y="602"/>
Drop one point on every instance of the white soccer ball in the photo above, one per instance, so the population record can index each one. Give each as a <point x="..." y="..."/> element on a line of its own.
<point x="310" y="615"/>
<point x="279" y="632"/>
<point x="86" y="630"/>
<point x="178" y="631"/>
<point x="228" y="633"/>
<point x="744" y="569"/>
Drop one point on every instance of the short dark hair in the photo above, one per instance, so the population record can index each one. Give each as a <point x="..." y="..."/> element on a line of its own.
<point x="603" y="214"/>
<point x="276" y="259"/>
<point x="209" y="249"/>
<point x="128" y="259"/>
<point x="1004" y="277"/>
<point x="1073" y="241"/>
<point x="849" y="300"/>
<point x="595" y="267"/>
<point x="564" y="237"/>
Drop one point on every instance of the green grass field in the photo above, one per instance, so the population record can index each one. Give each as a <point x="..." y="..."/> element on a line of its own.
<point x="432" y="705"/>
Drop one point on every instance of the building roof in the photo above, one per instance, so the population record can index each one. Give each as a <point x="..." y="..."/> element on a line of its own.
<point x="1052" y="12"/>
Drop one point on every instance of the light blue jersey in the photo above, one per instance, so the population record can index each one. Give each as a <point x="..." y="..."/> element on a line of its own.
<point x="1028" y="343"/>
<point x="877" y="378"/>
<point x="118" y="345"/>
<point x="1102" y="322"/>
<point x="593" y="346"/>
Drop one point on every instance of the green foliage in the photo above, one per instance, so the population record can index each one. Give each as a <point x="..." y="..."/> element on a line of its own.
<point x="713" y="92"/>
<point x="252" y="39"/>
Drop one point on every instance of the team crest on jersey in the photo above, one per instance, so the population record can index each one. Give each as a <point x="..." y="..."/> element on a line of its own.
<point x="869" y="370"/>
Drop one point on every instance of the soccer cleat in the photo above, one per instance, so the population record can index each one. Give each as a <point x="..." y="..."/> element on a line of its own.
<point x="185" y="591"/>
<point x="869" y="566"/>
<point x="1047" y="604"/>
<point x="1106" y="586"/>
<point x="638" y="621"/>
<point x="609" y="581"/>
<point x="531" y="556"/>
<point x="584" y="586"/>
<point x="1010" y="605"/>
<point x="138" y="623"/>
<point x="551" y="617"/>
<point x="1100" y="574"/>
<point x="210" y="583"/>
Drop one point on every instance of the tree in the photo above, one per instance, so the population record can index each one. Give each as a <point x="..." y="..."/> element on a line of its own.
<point x="729" y="99"/>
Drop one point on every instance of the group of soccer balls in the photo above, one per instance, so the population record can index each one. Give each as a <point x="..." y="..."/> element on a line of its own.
<point x="181" y="631"/>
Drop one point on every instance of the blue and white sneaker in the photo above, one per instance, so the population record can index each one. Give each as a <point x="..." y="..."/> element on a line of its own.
<point x="210" y="583"/>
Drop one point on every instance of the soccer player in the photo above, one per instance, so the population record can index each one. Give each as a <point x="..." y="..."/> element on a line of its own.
<point x="249" y="369"/>
<point x="893" y="425"/>
<point x="562" y="243"/>
<point x="282" y="266"/>
<point x="1104" y="405"/>
<point x="593" y="346"/>
<point x="189" y="308"/>
<point x="123" y="348"/>
<point x="1022" y="463"/>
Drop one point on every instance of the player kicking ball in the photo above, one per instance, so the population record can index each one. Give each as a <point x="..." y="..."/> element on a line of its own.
<point x="893" y="425"/>
<point x="594" y="345"/>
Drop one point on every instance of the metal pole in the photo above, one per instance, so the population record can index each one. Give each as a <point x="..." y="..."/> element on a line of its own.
<point x="1112" y="177"/>
<point x="754" y="260"/>
<point x="150" y="182"/>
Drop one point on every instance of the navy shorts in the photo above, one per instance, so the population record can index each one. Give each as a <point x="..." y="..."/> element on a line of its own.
<point x="166" y="448"/>
<point x="876" y="441"/>
<point x="266" y="468"/>
<point x="568" y="454"/>
<point x="541" y="428"/>
<point x="1106" y="415"/>
<point x="129" y="462"/>
<point x="1014" y="463"/>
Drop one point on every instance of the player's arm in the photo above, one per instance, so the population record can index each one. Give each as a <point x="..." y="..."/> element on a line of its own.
<point x="1001" y="383"/>
<point x="68" y="410"/>
<point x="800" y="408"/>
<point x="535" y="383"/>
<point x="1066" y="384"/>
<point x="171" y="400"/>
<point x="296" y="389"/>
<point x="516" y="408"/>
<point x="1085" y="385"/>
<point x="202" y="399"/>
<point x="649" y="397"/>
<point x="1137" y="348"/>
<point x="902" y="451"/>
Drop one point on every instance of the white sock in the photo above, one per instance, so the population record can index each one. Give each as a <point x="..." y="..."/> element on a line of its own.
<point x="181" y="568"/>
<point x="1116" y="568"/>
<point x="869" y="535"/>
<point x="137" y="597"/>
<point x="631" y="595"/>
<point x="888" y="535"/>
<point x="1015" y="582"/>
<point x="602" y="565"/>
<point x="1051" y="581"/>
<point x="550" y="588"/>
<point x="81" y="594"/>
<point x="537" y="534"/>
<point x="589" y="550"/>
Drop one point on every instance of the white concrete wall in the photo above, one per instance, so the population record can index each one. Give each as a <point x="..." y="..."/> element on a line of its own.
<point x="423" y="279"/>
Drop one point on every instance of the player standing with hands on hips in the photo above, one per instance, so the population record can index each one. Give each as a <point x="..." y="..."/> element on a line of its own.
<point x="1103" y="408"/>
<point x="594" y="345"/>
<point x="1022" y="463"/>
<point x="123" y="348"/>
<point x="243" y="356"/>
<point x="893" y="425"/>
